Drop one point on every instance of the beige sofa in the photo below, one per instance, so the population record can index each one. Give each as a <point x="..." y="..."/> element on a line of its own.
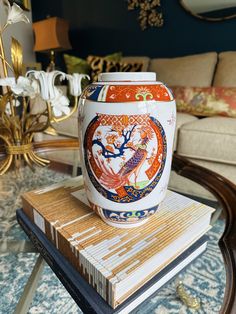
<point x="211" y="141"/>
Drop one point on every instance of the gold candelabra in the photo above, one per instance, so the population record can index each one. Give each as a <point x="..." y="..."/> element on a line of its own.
<point x="18" y="122"/>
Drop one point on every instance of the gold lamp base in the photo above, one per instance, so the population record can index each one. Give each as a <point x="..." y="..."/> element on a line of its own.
<point x="51" y="67"/>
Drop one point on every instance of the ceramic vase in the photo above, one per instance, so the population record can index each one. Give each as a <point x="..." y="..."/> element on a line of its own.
<point x="126" y="131"/>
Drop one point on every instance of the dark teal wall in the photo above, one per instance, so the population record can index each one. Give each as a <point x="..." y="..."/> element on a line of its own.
<point x="104" y="26"/>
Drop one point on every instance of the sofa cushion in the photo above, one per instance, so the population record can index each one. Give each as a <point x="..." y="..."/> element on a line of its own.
<point x="75" y="64"/>
<point x="137" y="59"/>
<point x="226" y="70"/>
<point x="181" y="119"/>
<point x="184" y="185"/>
<point x="206" y="101"/>
<point x="195" y="70"/>
<point x="225" y="170"/>
<point x="212" y="139"/>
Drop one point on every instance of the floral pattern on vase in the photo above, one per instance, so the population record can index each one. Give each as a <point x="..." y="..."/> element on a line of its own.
<point x="127" y="93"/>
<point x="125" y="156"/>
<point x="128" y="216"/>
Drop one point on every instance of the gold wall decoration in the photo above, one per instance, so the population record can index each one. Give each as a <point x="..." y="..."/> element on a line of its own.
<point x="149" y="12"/>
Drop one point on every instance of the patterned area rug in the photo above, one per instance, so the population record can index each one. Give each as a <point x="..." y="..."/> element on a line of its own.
<point x="204" y="278"/>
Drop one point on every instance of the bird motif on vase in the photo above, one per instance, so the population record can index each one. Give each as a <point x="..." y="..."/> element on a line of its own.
<point x="132" y="166"/>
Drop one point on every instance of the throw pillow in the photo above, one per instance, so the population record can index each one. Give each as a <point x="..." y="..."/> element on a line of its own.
<point x="76" y="65"/>
<point x="206" y="101"/>
<point x="99" y="65"/>
<point x="116" y="56"/>
<point x="133" y="59"/>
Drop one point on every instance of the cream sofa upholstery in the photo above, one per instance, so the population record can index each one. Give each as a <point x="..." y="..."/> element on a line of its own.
<point x="195" y="70"/>
<point x="211" y="141"/>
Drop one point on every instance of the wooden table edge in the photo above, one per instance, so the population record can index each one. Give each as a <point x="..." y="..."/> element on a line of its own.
<point x="225" y="192"/>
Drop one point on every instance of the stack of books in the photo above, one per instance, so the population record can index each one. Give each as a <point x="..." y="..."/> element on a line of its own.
<point x="119" y="263"/>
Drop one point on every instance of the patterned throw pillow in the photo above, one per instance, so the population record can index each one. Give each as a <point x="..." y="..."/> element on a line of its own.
<point x="99" y="65"/>
<point x="76" y="65"/>
<point x="116" y="56"/>
<point x="206" y="101"/>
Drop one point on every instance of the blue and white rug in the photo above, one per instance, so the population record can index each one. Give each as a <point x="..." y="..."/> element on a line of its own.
<point x="204" y="278"/>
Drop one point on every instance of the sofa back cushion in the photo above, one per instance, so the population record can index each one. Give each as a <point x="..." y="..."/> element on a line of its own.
<point x="194" y="70"/>
<point x="211" y="138"/>
<point x="226" y="70"/>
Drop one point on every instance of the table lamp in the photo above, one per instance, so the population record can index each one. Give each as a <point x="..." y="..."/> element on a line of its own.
<point x="51" y="35"/>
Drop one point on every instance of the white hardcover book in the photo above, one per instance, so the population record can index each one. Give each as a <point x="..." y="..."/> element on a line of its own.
<point x="116" y="262"/>
<point x="160" y="282"/>
<point x="139" y="260"/>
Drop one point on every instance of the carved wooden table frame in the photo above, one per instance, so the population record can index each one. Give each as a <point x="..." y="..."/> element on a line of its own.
<point x="223" y="190"/>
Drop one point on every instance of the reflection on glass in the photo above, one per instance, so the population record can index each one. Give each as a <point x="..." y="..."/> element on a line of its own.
<point x="210" y="8"/>
<point x="205" y="277"/>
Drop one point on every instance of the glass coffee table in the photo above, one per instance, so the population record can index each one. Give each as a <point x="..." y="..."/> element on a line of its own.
<point x="225" y="193"/>
<point x="166" y="300"/>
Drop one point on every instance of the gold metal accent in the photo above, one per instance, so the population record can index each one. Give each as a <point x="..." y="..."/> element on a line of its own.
<point x="6" y="163"/>
<point x="73" y="110"/>
<point x="51" y="66"/>
<point x="19" y="150"/>
<point x="2" y="53"/>
<point x="17" y="129"/>
<point x="186" y="298"/>
<point x="201" y="16"/>
<point x="51" y="131"/>
<point x="149" y="14"/>
<point x="1" y="57"/>
<point x="17" y="132"/>
<point x="16" y="57"/>
<point x="26" y="5"/>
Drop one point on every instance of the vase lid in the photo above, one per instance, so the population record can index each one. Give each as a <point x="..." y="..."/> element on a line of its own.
<point x="127" y="76"/>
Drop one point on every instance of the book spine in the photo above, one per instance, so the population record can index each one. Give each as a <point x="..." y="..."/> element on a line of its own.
<point x="101" y="256"/>
<point x="83" y="262"/>
<point x="27" y="208"/>
<point x="81" y="300"/>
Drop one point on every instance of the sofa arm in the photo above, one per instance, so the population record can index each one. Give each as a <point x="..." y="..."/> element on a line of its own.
<point x="181" y="119"/>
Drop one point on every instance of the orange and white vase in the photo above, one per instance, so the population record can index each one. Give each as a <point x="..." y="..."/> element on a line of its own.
<point x="126" y="130"/>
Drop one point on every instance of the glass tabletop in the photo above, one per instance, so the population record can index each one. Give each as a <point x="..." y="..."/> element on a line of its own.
<point x="224" y="223"/>
<point x="205" y="278"/>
